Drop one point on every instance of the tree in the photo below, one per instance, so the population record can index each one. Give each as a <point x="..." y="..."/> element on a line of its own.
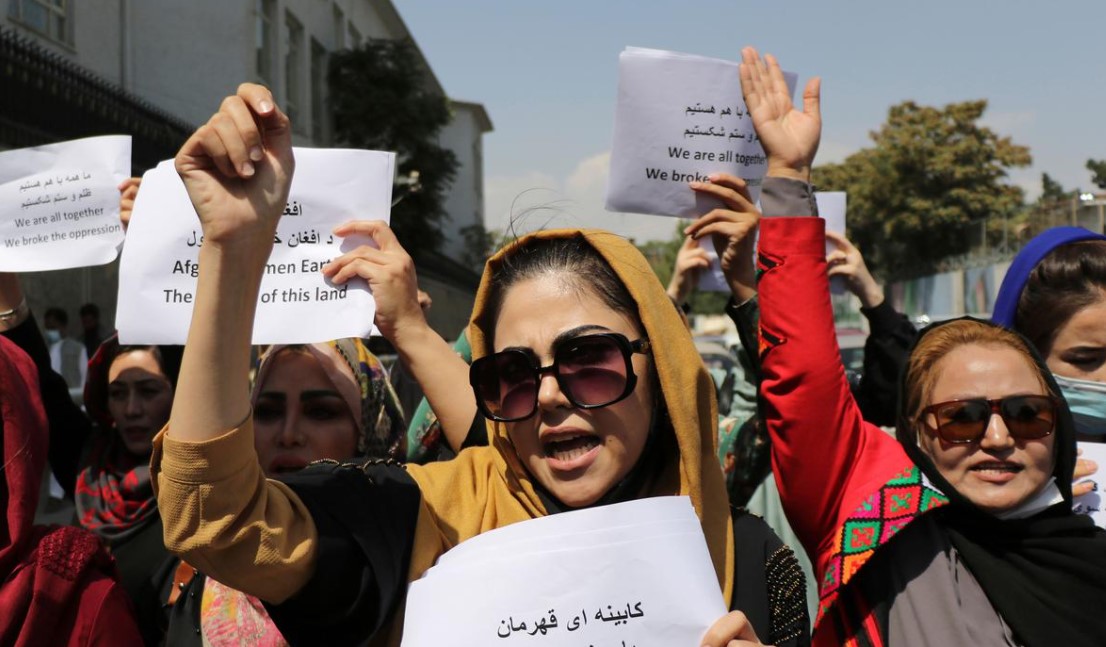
<point x="1098" y="172"/>
<point x="931" y="176"/>
<point x="1051" y="190"/>
<point x="480" y="244"/>
<point x="383" y="99"/>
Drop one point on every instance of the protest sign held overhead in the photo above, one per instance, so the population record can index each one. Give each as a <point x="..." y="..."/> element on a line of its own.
<point x="59" y="204"/>
<point x="296" y="304"/>
<point x="635" y="573"/>
<point x="679" y="118"/>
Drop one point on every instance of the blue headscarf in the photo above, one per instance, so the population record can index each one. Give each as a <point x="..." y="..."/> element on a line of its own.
<point x="1006" y="305"/>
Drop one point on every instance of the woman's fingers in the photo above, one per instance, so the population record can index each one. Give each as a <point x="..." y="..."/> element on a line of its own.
<point x="731" y="189"/>
<point x="1084" y="467"/>
<point x="236" y="151"/>
<point x="752" y="85"/>
<point x="364" y="252"/>
<point x="746" y="220"/>
<point x="777" y="84"/>
<point x="689" y="244"/>
<point x="1085" y="487"/>
<point x="210" y="149"/>
<point x="731" y="629"/>
<point x="812" y="98"/>
<point x="378" y="230"/>
<point x="275" y="126"/>
<point x="358" y="267"/>
<point x="731" y="231"/>
<point x="239" y="112"/>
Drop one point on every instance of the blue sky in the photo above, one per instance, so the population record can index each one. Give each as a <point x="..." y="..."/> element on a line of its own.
<point x="546" y="72"/>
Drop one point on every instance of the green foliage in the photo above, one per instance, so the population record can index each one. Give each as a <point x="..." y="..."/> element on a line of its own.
<point x="918" y="192"/>
<point x="1098" y="172"/>
<point x="1051" y="190"/>
<point x="480" y="244"/>
<point x="383" y="99"/>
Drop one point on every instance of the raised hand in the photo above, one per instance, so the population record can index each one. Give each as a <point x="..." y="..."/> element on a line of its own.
<point x="390" y="272"/>
<point x="441" y="373"/>
<point x="790" y="137"/>
<point x="690" y="259"/>
<point x="846" y="261"/>
<point x="733" y="231"/>
<point x="128" y="191"/>
<point x="237" y="169"/>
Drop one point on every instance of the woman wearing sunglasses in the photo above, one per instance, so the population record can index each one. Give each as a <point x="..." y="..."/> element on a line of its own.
<point x="958" y="532"/>
<point x="593" y="388"/>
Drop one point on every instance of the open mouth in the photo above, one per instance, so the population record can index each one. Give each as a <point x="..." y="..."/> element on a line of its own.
<point x="996" y="471"/>
<point x="570" y="447"/>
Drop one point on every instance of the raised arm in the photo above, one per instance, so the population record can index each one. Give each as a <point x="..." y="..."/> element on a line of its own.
<point x="890" y="334"/>
<point x="817" y="434"/>
<point x="440" y="372"/>
<point x="237" y="169"/>
<point x="219" y="512"/>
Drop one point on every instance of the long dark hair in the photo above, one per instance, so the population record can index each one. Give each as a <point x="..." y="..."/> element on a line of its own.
<point x="572" y="261"/>
<point x="1068" y="279"/>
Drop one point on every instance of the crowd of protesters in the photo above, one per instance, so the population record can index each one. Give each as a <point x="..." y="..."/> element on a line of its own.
<point x="928" y="502"/>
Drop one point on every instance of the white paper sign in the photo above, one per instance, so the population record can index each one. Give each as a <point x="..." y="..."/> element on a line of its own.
<point x="157" y="275"/>
<point x="831" y="207"/>
<point x="59" y="204"/>
<point x="1092" y="503"/>
<point x="635" y="573"/>
<point x="679" y="118"/>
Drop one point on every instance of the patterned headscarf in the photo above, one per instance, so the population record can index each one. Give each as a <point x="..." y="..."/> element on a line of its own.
<point x="114" y="497"/>
<point x="362" y="382"/>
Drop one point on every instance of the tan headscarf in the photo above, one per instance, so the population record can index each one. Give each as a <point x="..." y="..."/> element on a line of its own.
<point x="488" y="487"/>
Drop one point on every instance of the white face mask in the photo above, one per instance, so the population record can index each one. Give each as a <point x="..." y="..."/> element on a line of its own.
<point x="53" y="336"/>
<point x="1087" y="401"/>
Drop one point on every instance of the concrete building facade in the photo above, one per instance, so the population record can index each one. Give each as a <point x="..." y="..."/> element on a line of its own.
<point x="178" y="59"/>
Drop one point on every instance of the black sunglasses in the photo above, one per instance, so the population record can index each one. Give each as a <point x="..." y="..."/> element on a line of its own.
<point x="1027" y="417"/>
<point x="592" y="371"/>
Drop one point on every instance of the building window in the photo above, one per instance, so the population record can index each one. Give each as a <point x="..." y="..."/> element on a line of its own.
<point x="47" y="17"/>
<point x="266" y="21"/>
<point x="293" y="70"/>
<point x="318" y="92"/>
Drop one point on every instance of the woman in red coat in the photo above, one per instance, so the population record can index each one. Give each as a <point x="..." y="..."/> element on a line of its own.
<point x="58" y="582"/>
<point x="959" y="531"/>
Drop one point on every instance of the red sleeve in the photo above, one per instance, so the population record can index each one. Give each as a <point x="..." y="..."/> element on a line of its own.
<point x="826" y="459"/>
<point x="111" y="622"/>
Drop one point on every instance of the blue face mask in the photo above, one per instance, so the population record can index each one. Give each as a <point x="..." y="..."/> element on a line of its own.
<point x="53" y="336"/>
<point x="1087" y="401"/>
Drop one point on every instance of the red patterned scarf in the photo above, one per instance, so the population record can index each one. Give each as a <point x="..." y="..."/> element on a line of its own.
<point x="114" y="496"/>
